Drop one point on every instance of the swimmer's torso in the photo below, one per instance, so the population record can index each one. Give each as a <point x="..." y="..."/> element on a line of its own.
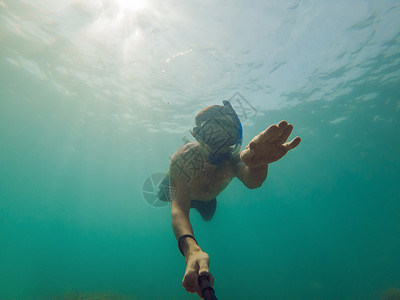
<point x="203" y="180"/>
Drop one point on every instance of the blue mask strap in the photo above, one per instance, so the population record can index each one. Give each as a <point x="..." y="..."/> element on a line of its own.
<point x="240" y="128"/>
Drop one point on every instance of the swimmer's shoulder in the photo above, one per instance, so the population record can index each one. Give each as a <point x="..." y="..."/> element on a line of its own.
<point x="183" y="151"/>
<point x="192" y="146"/>
<point x="179" y="160"/>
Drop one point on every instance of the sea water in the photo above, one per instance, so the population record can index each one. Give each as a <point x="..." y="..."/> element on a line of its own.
<point x="97" y="95"/>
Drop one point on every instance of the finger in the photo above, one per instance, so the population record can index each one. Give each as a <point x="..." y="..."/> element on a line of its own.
<point x="204" y="265"/>
<point x="281" y="128"/>
<point x="266" y="134"/>
<point x="286" y="133"/>
<point x="292" y="144"/>
<point x="283" y="123"/>
<point x="270" y="133"/>
<point x="188" y="283"/>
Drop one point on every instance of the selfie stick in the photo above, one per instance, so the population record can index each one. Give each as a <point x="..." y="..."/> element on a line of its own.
<point x="206" y="288"/>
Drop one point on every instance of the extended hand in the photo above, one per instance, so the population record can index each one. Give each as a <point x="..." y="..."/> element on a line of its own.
<point x="197" y="264"/>
<point x="269" y="145"/>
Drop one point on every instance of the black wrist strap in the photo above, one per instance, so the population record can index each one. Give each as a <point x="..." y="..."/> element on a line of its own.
<point x="181" y="239"/>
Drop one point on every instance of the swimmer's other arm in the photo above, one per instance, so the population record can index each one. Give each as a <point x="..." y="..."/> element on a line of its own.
<point x="252" y="177"/>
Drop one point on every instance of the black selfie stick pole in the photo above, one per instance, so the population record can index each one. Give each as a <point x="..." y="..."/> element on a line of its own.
<point x="206" y="288"/>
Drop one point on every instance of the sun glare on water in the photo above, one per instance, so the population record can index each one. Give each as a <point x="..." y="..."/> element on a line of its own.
<point x="132" y="6"/>
<point x="115" y="24"/>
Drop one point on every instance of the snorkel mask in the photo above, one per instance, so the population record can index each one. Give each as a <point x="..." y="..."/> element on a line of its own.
<point x="219" y="130"/>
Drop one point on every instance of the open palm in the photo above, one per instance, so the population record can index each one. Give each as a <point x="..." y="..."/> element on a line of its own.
<point x="269" y="145"/>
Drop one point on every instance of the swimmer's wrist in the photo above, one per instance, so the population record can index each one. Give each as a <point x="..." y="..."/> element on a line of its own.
<point x="260" y="167"/>
<point x="189" y="246"/>
<point x="193" y="248"/>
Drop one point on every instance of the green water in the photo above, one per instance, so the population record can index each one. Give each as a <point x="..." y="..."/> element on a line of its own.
<point x="95" y="96"/>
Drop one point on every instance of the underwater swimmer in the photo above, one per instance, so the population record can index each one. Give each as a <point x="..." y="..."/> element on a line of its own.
<point x="201" y="170"/>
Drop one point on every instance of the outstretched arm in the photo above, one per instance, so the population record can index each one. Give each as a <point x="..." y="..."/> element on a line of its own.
<point x="180" y="206"/>
<point x="252" y="177"/>
<point x="197" y="261"/>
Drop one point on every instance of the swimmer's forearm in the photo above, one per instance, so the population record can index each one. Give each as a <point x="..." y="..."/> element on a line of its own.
<point x="181" y="226"/>
<point x="252" y="177"/>
<point x="257" y="175"/>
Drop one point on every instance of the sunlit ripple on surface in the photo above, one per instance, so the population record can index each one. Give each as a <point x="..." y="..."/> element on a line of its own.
<point x="158" y="56"/>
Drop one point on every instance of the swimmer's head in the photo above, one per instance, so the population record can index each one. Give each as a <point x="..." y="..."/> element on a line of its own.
<point x="218" y="128"/>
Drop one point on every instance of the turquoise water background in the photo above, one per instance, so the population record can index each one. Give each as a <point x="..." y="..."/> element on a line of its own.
<point x="96" y="95"/>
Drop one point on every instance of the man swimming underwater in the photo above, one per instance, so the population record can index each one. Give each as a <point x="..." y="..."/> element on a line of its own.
<point x="201" y="170"/>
